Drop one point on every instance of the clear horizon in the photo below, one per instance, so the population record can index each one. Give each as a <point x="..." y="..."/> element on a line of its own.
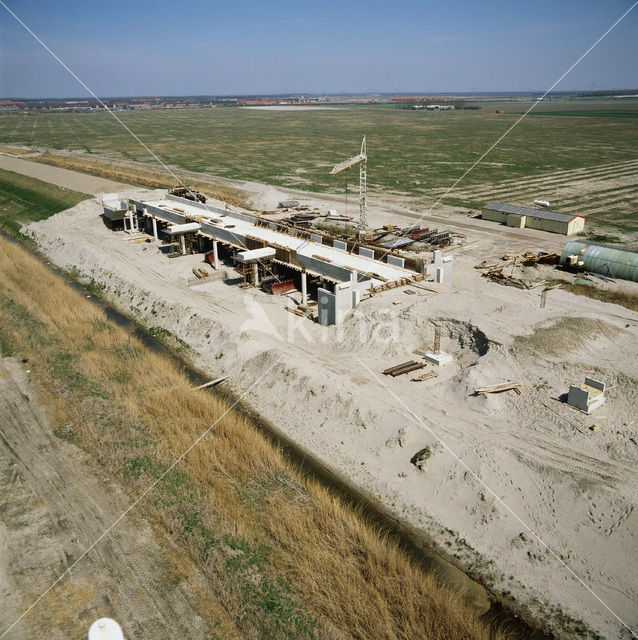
<point x="293" y="94"/>
<point x="248" y="48"/>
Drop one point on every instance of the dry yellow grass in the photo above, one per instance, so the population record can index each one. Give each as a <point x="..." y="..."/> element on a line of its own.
<point x="151" y="178"/>
<point x="623" y="298"/>
<point x="14" y="151"/>
<point x="284" y="556"/>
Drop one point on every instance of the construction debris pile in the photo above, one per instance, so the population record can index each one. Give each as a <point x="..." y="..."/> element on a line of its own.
<point x="414" y="238"/>
<point x="512" y="270"/>
<point x="183" y="191"/>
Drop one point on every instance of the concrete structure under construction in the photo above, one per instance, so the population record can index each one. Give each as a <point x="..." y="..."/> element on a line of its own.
<point x="527" y="217"/>
<point x="588" y="396"/>
<point x="326" y="268"/>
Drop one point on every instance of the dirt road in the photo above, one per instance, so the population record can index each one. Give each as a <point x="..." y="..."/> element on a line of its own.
<point x="266" y="197"/>
<point x="53" y="506"/>
<point x="61" y="177"/>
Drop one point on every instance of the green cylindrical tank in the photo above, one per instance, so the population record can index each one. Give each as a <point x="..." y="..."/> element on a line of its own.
<point x="609" y="261"/>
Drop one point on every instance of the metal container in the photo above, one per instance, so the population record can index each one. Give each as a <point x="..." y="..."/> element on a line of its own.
<point x="609" y="261"/>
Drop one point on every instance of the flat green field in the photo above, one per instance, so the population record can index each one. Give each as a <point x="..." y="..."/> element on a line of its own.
<point x="24" y="199"/>
<point x="580" y="164"/>
<point x="592" y="113"/>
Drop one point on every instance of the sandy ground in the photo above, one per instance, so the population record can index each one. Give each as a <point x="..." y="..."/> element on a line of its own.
<point x="62" y="177"/>
<point x="53" y="506"/>
<point x="498" y="465"/>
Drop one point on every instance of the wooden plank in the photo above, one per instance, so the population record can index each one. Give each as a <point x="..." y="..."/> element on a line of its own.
<point x="426" y="376"/>
<point x="298" y="312"/>
<point x="498" y="388"/>
<point x="212" y="383"/>
<point x="420" y="286"/>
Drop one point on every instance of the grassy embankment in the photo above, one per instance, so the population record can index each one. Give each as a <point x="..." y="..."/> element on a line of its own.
<point x="24" y="199"/>
<point x="14" y="151"/>
<point x="284" y="557"/>
<point x="141" y="176"/>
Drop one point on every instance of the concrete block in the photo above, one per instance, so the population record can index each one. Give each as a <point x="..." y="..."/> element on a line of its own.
<point x="578" y="398"/>
<point x="586" y="398"/>
<point x="440" y="359"/>
<point x="315" y="237"/>
<point x="326" y="307"/>
<point x="343" y="300"/>
<point x="342" y="246"/>
<point x="366" y="253"/>
<point x="396" y="261"/>
<point x="597" y="384"/>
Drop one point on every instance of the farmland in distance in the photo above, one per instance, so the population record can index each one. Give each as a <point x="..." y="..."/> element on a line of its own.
<point x="579" y="155"/>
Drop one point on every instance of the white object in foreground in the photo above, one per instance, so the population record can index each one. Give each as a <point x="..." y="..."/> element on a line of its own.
<point x="105" y="629"/>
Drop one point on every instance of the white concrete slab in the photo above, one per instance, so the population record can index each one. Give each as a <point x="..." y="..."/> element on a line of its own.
<point x="340" y="258"/>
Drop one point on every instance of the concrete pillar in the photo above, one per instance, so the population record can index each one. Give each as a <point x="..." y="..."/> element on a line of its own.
<point x="256" y="274"/>
<point x="130" y="217"/>
<point x="215" y="255"/>
<point x="155" y="229"/>
<point x="304" y="289"/>
<point x="183" y="243"/>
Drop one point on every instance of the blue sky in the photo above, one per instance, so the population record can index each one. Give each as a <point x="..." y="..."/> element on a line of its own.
<point x="155" y="47"/>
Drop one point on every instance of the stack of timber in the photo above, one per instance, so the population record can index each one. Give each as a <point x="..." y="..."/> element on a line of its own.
<point x="426" y="376"/>
<point x="301" y="311"/>
<point x="527" y="259"/>
<point x="530" y="258"/>
<point x="405" y="367"/>
<point x="397" y="283"/>
<point x="139" y="237"/>
<point x="497" y="275"/>
<point x="200" y="273"/>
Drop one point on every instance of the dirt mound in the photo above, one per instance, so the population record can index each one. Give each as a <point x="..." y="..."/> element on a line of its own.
<point x="468" y="337"/>
<point x="565" y="336"/>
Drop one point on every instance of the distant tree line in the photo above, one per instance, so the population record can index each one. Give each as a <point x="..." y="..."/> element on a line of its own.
<point x="608" y="92"/>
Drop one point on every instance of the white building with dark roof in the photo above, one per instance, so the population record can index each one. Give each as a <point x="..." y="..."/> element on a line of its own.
<point x="527" y="217"/>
